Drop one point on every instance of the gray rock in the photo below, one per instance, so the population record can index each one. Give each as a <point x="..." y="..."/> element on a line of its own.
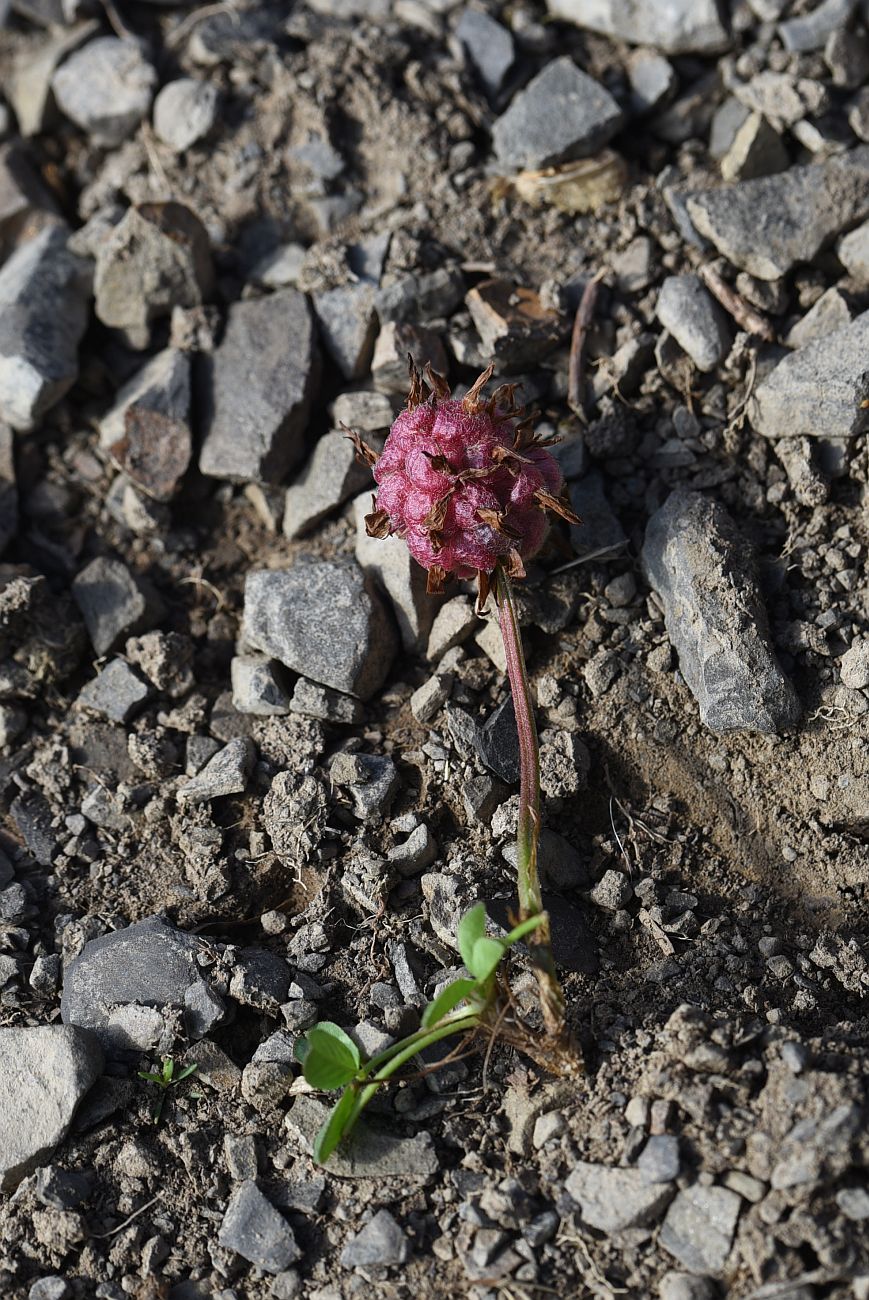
<point x="379" y="1244"/>
<point x="853" y="252"/>
<point x="561" y="867"/>
<point x="348" y="326"/>
<point x="397" y="340"/>
<point x="854" y="1203"/>
<point x="261" y="979"/>
<point x="106" y="88"/>
<point x="560" y="115"/>
<point x="703" y="569"/>
<point x="113" y="602"/>
<point x="416" y="853"/>
<point x="613" y="891"/>
<point x="497" y="742"/>
<point x="819" y="390"/>
<point x="254" y="1229"/>
<point x="614" y="1199"/>
<point x="257" y="688"/>
<point x="389" y="561"/>
<point x="324" y="620"/>
<point x="280" y="267"/>
<point x="428" y="699"/>
<point x="228" y="772"/>
<point x="258" y="387"/>
<point x="314" y="701"/>
<point x="156" y="258"/>
<point x="44" y="1074"/>
<point x="147" y="430"/>
<point x="184" y="112"/>
<point x="370" y="1154"/>
<point x="767" y="226"/>
<point x="696" y="322"/>
<point x="364" y="410"/>
<point x="699" y="1228"/>
<point x="854" y="666"/>
<point x="62" y="1189"/>
<point x="659" y="1160"/>
<point x="26" y="205"/>
<point x="28" y="84"/>
<point x="757" y="150"/>
<point x="117" y="692"/>
<point x="332" y="475"/>
<point x="684" y="1286"/>
<point x="453" y="623"/>
<point x="8" y="488"/>
<point x="830" y="313"/>
<point x="599" y="527"/>
<point x="489" y="46"/>
<point x="146" y="965"/>
<point x="810" y="32"/>
<point x="372" y="781"/>
<point x="50" y="1288"/>
<point x="44" y="295"/>
<point x="678" y="27"/>
<point x="652" y="77"/>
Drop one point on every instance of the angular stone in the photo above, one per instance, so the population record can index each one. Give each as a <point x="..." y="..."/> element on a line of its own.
<point x="560" y="115"/>
<point x="514" y="327"/>
<point x="257" y="388"/>
<point x="372" y="780"/>
<point x="699" y="1228"/>
<point x="44" y="1074"/>
<point x="117" y="692"/>
<point x="767" y="226"/>
<point x="853" y="252"/>
<point x="106" y="88"/>
<point x="695" y="320"/>
<point x="156" y="258"/>
<point x="348" y="326"/>
<point x="323" y="619"/>
<point x="184" y="112"/>
<point x="257" y="688"/>
<point x="599" y="527"/>
<point x="819" y="390"/>
<point x="614" y="1199"/>
<point x="370" y="1153"/>
<point x="149" y="964"/>
<point x="653" y="79"/>
<point x="28" y="86"/>
<point x="363" y="410"/>
<point x="26" y="205"/>
<point x="453" y="623"/>
<point x="415" y="854"/>
<point x="226" y="773"/>
<point x="497" y="742"/>
<point x="830" y="313"/>
<point x="8" y="488"/>
<point x="489" y="46"/>
<point x="44" y="295"/>
<point x="147" y="431"/>
<point x="678" y="27"/>
<point x="332" y="475"/>
<point x="428" y="699"/>
<point x="379" y="1244"/>
<point x="810" y="31"/>
<point x="757" y="150"/>
<point x="397" y="340"/>
<point x="702" y="567"/>
<point x="254" y="1229"/>
<point x="113" y="603"/>
<point x="314" y="701"/>
<point x="389" y="561"/>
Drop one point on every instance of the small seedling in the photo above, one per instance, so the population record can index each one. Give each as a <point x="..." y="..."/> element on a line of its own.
<point x="469" y="487"/>
<point x="166" y="1079"/>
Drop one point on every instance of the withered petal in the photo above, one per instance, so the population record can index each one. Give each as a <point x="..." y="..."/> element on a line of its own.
<point x="364" y="454"/>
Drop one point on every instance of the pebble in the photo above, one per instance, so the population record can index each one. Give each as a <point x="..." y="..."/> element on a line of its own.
<point x="614" y="1199"/>
<point x="799" y="211"/>
<point x="817" y="391"/>
<point x="416" y="853"/>
<point x="228" y="772"/>
<point x="853" y="252"/>
<point x="156" y="258"/>
<point x="44" y="295"/>
<point x="380" y="1244"/>
<point x="372" y="780"/>
<point x="489" y="46"/>
<point x="497" y="742"/>
<point x="105" y="88"/>
<point x="348" y="326"/>
<point x="113" y="602"/>
<point x="332" y="475"/>
<point x="258" y="386"/>
<point x="44" y="1074"/>
<point x="117" y="692"/>
<point x="810" y="31"/>
<point x="184" y="112"/>
<point x="757" y="150"/>
<point x="652" y="77"/>
<point x="257" y="688"/>
<point x="143" y="967"/>
<point x="600" y="527"/>
<point x="254" y="1229"/>
<point x="314" y="701"/>
<point x="613" y="891"/>
<point x="396" y="341"/>
<point x="696" y="322"/>
<point x="685" y="1286"/>
<point x="390" y="563"/>
<point x="702" y="568"/>
<point x="147" y="431"/>
<point x="428" y="699"/>
<point x="453" y="623"/>
<point x="323" y="619"/>
<point x="560" y="115"/>
<point x="50" y="1288"/>
<point x="514" y="326"/>
<point x="678" y="27"/>
<point x="659" y="1161"/>
<point x="364" y="410"/>
<point x="62" y="1189"/>
<point x="854" y="666"/>
<point x="854" y="1203"/>
<point x="372" y="1154"/>
<point x="699" y="1226"/>
<point x="548" y="1127"/>
<point x="830" y="313"/>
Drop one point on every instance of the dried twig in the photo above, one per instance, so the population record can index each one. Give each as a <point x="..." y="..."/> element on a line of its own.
<point x="581" y="325"/>
<point x="742" y="312"/>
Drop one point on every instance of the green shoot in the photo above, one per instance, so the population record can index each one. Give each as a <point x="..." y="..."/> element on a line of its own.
<point x="166" y="1079"/>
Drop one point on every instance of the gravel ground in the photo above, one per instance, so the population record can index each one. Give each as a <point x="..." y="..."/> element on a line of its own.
<point x="251" y="775"/>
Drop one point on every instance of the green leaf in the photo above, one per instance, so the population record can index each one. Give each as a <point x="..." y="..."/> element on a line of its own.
<point x="485" y="957"/>
<point x="524" y="927"/>
<point x="471" y="928"/>
<point x="333" y="1130"/>
<point x="301" y="1048"/>
<point x="331" y="1059"/>
<point x="168" y="1070"/>
<point x="187" y="1071"/>
<point x="449" y="997"/>
<point x="151" y="1078"/>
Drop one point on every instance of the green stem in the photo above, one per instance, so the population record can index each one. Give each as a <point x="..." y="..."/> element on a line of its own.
<point x="528" y="828"/>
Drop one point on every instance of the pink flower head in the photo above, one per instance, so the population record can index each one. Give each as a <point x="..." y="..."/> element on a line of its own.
<point x="465" y="482"/>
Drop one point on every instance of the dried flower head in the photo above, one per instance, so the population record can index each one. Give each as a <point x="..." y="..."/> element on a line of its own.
<point x="466" y="483"/>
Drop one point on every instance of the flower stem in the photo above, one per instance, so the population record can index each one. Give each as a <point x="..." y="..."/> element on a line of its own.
<point x="528" y="829"/>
